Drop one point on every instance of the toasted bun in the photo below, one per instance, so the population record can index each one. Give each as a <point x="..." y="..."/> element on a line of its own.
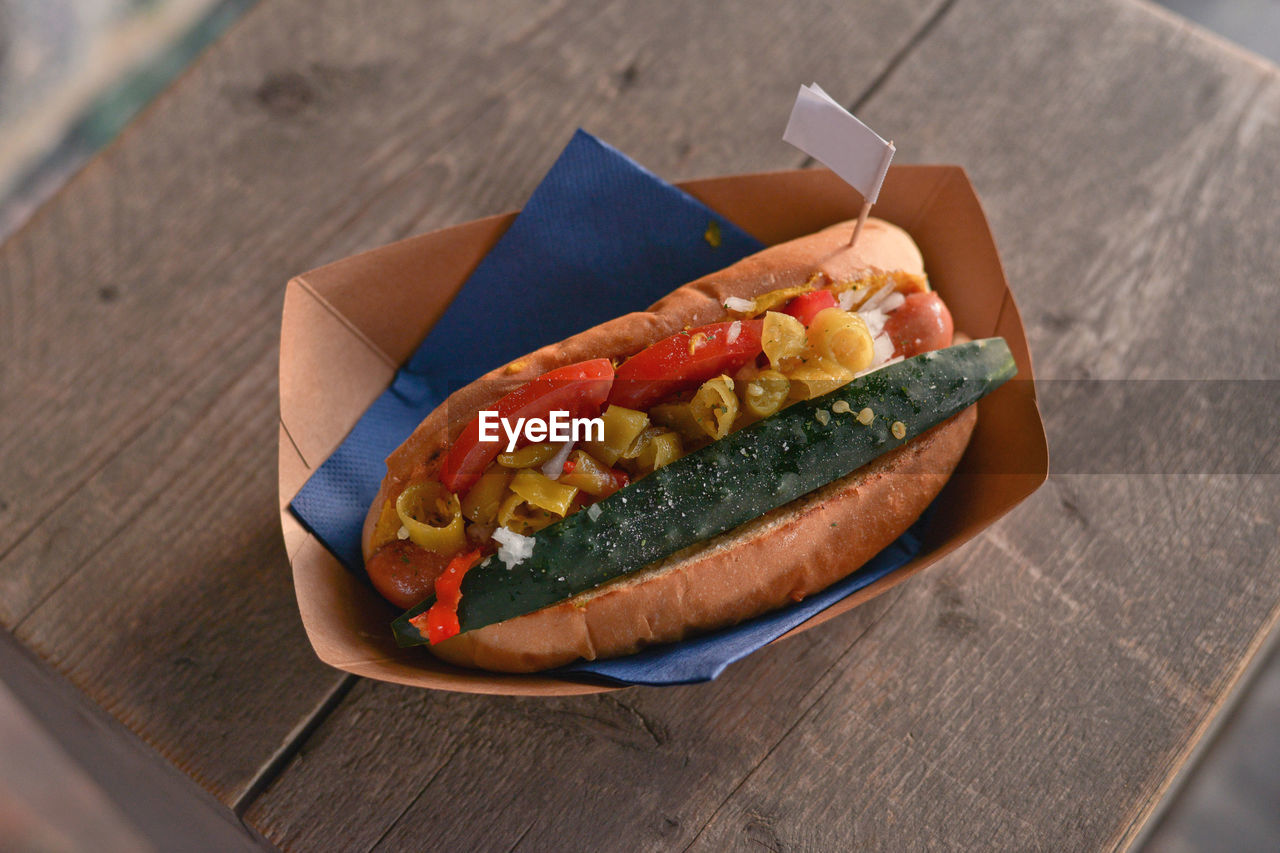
<point x="784" y="555"/>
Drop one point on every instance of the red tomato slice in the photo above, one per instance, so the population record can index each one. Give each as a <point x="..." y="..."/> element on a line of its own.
<point x="920" y="324"/>
<point x="684" y="361"/>
<point x="579" y="389"/>
<point x="807" y="305"/>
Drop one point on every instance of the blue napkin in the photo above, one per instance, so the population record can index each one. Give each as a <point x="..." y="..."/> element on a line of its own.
<point x="600" y="236"/>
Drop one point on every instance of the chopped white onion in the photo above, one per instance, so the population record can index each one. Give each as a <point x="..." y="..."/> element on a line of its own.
<point x="883" y="348"/>
<point x="593" y="511"/>
<point x="513" y="548"/>
<point x="892" y="302"/>
<point x="845" y="300"/>
<point x="554" y="466"/>
<point x="737" y="303"/>
<point x="876" y="298"/>
<point x="874" y="320"/>
<point x="402" y="533"/>
<point x="735" y="329"/>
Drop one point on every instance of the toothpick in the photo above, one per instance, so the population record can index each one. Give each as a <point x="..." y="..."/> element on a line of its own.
<point x="866" y="204"/>
<point x="862" y="220"/>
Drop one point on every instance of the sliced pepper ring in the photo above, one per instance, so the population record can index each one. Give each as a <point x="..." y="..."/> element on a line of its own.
<point x="432" y="516"/>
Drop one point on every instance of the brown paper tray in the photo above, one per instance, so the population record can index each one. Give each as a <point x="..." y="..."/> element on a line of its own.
<point x="349" y="325"/>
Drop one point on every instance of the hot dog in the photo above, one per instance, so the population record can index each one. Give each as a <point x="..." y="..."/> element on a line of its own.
<point x="713" y="362"/>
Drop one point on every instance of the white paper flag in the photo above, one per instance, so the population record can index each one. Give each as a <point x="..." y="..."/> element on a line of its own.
<point x="830" y="134"/>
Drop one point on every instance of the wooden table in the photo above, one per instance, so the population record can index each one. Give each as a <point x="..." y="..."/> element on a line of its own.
<point x="1042" y="688"/>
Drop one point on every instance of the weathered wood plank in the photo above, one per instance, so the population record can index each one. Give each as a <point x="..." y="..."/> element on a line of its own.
<point x="403" y="769"/>
<point x="1126" y="189"/>
<point x="141" y="307"/>
<point x="160" y="801"/>
<point x="1110" y="615"/>
<point x="1038" y="689"/>
<point x="977" y="732"/>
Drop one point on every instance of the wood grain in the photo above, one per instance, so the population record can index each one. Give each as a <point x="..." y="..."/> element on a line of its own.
<point x="141" y="308"/>
<point x="548" y="767"/>
<point x="1038" y="690"/>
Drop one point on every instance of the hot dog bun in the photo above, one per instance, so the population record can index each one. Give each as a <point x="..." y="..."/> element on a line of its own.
<point x="784" y="555"/>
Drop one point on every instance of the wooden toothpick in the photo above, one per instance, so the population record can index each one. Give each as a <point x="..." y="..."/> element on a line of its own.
<point x="866" y="204"/>
<point x="862" y="220"/>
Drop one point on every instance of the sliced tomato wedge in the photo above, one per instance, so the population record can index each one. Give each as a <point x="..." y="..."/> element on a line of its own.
<point x="440" y="622"/>
<point x="807" y="305"/>
<point x="579" y="389"/>
<point x="683" y="361"/>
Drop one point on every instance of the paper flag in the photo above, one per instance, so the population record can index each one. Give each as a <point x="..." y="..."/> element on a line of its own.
<point x="830" y="134"/>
